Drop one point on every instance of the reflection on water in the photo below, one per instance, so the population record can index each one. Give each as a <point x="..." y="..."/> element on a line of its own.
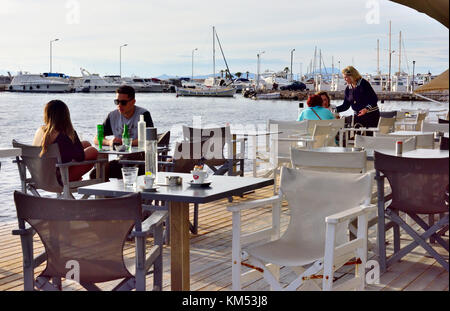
<point x="22" y="114"/>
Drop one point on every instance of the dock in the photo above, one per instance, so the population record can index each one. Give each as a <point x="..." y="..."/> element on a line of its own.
<point x="339" y="95"/>
<point x="210" y="256"/>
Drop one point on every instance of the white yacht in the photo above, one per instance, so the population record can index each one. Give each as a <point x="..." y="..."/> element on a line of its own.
<point x="40" y="83"/>
<point x="140" y="85"/>
<point x="93" y="83"/>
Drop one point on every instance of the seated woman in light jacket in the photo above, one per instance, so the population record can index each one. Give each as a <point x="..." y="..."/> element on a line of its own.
<point x="315" y="110"/>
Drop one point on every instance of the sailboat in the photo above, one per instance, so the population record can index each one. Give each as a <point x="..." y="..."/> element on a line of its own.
<point x="208" y="91"/>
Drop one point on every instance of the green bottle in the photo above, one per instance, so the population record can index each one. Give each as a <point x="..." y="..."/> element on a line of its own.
<point x="126" y="141"/>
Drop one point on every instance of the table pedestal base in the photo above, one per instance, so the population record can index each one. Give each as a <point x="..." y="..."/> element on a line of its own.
<point x="179" y="246"/>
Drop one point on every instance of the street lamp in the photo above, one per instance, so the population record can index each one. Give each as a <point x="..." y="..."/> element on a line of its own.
<point x="120" y="58"/>
<point x="292" y="53"/>
<point x="414" y="66"/>
<point x="51" y="43"/>
<point x="257" y="75"/>
<point x="193" y="63"/>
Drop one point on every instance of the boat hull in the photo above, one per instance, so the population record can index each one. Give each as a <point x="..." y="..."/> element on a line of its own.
<point x="212" y="92"/>
<point x="40" y="88"/>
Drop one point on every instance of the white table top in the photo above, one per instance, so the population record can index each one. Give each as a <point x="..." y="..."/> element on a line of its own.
<point x="10" y="152"/>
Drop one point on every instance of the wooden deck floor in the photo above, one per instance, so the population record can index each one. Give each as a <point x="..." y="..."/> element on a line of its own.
<point x="210" y="256"/>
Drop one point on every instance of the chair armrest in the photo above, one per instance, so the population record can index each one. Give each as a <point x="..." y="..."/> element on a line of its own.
<point x="135" y="162"/>
<point x="239" y="140"/>
<point x="155" y="219"/>
<point x="296" y="139"/>
<point x="255" y="203"/>
<point x="74" y="163"/>
<point x="26" y="231"/>
<point x="350" y="213"/>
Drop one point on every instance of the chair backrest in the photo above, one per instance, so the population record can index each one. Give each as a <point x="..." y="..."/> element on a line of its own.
<point x="314" y="195"/>
<point x="423" y="140"/>
<point x="43" y="169"/>
<point x="420" y="117"/>
<point x="217" y="139"/>
<point x="287" y="129"/>
<point x="164" y="139"/>
<point x="337" y="123"/>
<point x="188" y="154"/>
<point x="388" y="114"/>
<point x="434" y="127"/>
<point x="386" y="125"/>
<point x="89" y="232"/>
<point x="418" y="185"/>
<point x="386" y="142"/>
<point x="324" y="135"/>
<point x="329" y="161"/>
<point x="443" y="121"/>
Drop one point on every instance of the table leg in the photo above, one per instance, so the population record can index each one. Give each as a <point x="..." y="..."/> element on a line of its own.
<point x="254" y="153"/>
<point x="179" y="246"/>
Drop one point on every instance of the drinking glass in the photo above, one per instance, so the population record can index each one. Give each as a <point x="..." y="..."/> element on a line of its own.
<point x="129" y="175"/>
<point x="100" y="136"/>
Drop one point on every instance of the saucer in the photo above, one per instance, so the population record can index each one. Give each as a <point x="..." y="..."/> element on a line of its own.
<point x="200" y="185"/>
<point x="154" y="189"/>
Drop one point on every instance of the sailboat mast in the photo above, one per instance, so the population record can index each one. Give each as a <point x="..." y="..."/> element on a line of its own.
<point x="214" y="57"/>
<point x="399" y="53"/>
<point x="378" y="56"/>
<point x="390" y="55"/>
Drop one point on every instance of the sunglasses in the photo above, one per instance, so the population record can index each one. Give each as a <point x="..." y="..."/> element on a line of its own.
<point x="123" y="102"/>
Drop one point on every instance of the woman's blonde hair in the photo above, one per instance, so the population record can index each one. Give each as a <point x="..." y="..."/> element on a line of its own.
<point x="56" y="119"/>
<point x="352" y="72"/>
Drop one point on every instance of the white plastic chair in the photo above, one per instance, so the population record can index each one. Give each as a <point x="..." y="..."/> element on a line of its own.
<point x="435" y="127"/>
<point x="415" y="124"/>
<point x="423" y="140"/>
<point x="315" y="243"/>
<point x="384" y="142"/>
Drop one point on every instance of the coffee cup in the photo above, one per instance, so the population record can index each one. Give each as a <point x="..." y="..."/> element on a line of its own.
<point x="199" y="176"/>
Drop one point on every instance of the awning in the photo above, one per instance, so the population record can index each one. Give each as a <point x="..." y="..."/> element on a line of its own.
<point x="437" y="9"/>
<point x="440" y="83"/>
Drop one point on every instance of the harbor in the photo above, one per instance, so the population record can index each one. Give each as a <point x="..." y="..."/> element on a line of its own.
<point x="222" y="154"/>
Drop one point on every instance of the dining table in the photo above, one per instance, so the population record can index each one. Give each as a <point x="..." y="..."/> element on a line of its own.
<point x="178" y="198"/>
<point x="9" y="153"/>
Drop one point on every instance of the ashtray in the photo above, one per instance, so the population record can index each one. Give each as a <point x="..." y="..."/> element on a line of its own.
<point x="205" y="184"/>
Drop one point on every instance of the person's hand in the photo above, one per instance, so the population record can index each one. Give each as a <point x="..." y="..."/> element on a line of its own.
<point x="362" y="112"/>
<point x="115" y="140"/>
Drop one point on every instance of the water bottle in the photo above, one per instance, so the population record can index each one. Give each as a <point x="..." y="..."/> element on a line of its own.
<point x="100" y="136"/>
<point x="151" y="152"/>
<point x="126" y="141"/>
<point x="141" y="132"/>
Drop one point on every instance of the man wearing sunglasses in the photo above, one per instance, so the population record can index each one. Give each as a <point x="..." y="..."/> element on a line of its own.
<point x="126" y="113"/>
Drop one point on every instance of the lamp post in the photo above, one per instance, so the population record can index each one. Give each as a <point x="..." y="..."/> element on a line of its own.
<point x="120" y="59"/>
<point x="414" y="66"/>
<point x="292" y="54"/>
<point x="192" y="77"/>
<point x="51" y="43"/>
<point x="257" y="67"/>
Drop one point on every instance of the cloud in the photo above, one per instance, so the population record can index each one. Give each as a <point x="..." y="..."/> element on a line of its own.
<point x="161" y="34"/>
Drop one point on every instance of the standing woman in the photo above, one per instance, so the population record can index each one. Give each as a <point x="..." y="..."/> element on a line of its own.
<point x="361" y="97"/>
<point x="58" y="129"/>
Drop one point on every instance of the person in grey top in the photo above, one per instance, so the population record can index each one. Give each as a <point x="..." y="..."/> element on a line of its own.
<point x="127" y="113"/>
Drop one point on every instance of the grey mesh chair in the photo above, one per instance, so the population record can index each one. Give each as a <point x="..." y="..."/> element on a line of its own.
<point x="419" y="188"/>
<point x="48" y="173"/>
<point x="84" y="242"/>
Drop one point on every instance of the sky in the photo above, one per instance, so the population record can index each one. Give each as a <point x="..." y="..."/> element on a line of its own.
<point x="161" y="36"/>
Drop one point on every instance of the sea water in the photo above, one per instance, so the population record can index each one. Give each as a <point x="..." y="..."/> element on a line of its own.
<point x="22" y="113"/>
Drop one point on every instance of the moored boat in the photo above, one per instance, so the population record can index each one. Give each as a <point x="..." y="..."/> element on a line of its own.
<point x="206" y="91"/>
<point x="40" y="83"/>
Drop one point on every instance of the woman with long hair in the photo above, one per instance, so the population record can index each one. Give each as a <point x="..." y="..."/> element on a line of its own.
<point x="58" y="129"/>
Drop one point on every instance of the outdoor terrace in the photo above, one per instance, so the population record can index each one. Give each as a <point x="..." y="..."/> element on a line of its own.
<point x="210" y="256"/>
